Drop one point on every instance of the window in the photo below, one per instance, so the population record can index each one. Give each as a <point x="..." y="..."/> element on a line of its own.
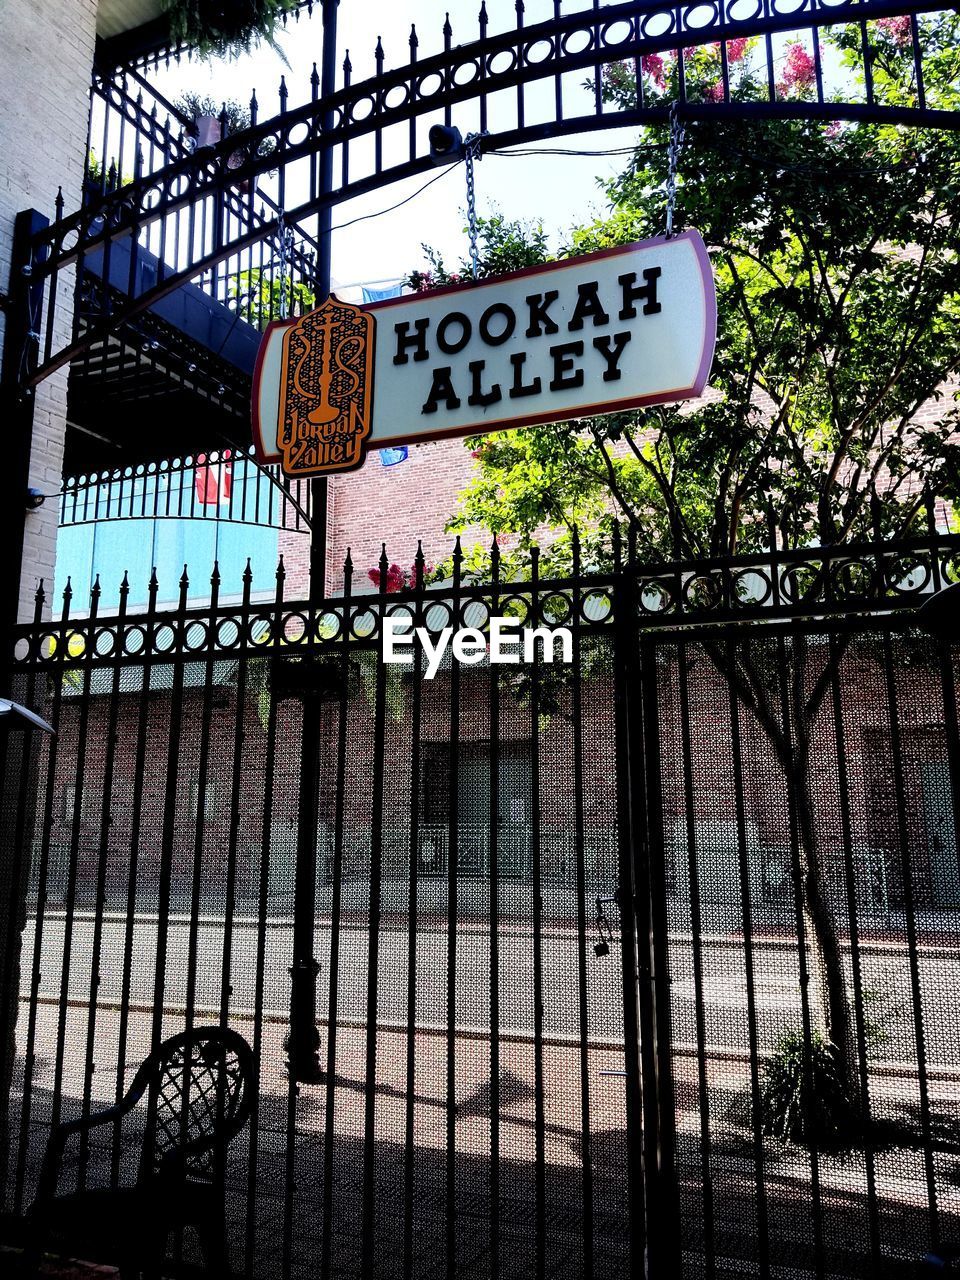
<point x="474" y="770"/>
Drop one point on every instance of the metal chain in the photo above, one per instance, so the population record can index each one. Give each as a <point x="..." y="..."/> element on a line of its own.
<point x="673" y="157"/>
<point x="282" y="235"/>
<point x="471" y="152"/>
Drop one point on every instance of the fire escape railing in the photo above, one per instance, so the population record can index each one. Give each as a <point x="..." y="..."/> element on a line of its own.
<point x="136" y="133"/>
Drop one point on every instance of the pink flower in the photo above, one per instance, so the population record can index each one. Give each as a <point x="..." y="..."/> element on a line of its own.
<point x="736" y="48"/>
<point x="833" y="128"/>
<point x="652" y="65"/>
<point x="715" y="91"/>
<point x="898" y="29"/>
<point x="617" y="74"/>
<point x="396" y="578"/>
<point x="800" y="68"/>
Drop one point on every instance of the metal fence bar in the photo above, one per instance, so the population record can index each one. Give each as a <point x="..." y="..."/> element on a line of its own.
<point x="909" y="893"/>
<point x="453" y="853"/>
<point x="143" y="745"/>
<point x="343" y="665"/>
<point x="843" y="789"/>
<point x="759" y="1159"/>
<point x="410" y="1065"/>
<point x="420" y="1146"/>
<point x="540" y="1205"/>
<point x="583" y="1016"/>
<point x="791" y="697"/>
<point x="373" y="953"/>
<point x="696" y="946"/>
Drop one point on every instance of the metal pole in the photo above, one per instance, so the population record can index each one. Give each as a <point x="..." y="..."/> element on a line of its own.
<point x="303" y="1043"/>
<point x="318" y="485"/>
<point x="17" y="408"/>
<point x="21" y="335"/>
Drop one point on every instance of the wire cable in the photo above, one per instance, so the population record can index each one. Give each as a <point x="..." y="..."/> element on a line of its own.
<point x="363" y="217"/>
<point x="565" y="151"/>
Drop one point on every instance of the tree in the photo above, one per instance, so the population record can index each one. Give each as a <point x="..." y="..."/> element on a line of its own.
<point x="265" y="295"/>
<point x="836" y="250"/>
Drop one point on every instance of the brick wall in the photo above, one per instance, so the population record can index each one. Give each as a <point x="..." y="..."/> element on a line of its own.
<point x="46" y="53"/>
<point x="396" y="505"/>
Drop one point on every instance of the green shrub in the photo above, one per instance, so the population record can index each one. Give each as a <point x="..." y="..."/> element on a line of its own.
<point x="802" y="1095"/>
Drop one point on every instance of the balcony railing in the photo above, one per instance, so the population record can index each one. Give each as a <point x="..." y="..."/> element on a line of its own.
<point x="135" y="132"/>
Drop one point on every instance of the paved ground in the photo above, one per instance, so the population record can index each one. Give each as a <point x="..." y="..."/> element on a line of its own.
<point x="723" y="1192"/>
<point x="886" y="979"/>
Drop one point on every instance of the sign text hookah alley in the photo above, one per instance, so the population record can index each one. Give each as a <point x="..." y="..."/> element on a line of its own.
<point x="597" y="334"/>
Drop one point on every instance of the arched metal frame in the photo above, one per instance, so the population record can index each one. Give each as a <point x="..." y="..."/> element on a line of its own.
<point x="159" y="211"/>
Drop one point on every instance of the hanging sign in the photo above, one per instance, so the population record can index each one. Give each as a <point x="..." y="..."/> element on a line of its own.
<point x="596" y="334"/>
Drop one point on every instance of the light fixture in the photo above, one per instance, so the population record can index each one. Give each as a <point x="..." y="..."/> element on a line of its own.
<point x="446" y="143"/>
<point x="21" y="717"/>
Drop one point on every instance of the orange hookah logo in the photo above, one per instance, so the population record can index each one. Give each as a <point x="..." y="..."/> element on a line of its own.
<point x="326" y="389"/>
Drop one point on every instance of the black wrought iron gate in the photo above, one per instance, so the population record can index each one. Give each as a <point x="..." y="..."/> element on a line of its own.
<point x="497" y="1096"/>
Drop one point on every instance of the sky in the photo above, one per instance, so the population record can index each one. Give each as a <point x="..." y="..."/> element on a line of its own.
<point x="559" y="191"/>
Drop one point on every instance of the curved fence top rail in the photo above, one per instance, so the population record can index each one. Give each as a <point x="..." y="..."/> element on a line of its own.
<point x="227" y="485"/>
<point x="183" y="213"/>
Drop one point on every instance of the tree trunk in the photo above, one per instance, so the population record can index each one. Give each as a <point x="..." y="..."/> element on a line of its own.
<point x="823" y="940"/>
<point x="761" y="692"/>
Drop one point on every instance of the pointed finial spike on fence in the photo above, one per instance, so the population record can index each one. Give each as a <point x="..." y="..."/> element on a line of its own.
<point x="876" y="514"/>
<point x="771" y="527"/>
<point x="414" y="40"/>
<point x="447" y="29"/>
<point x="215" y="576"/>
<point x="124" y="582"/>
<point x="347" y="64"/>
<point x="930" y="508"/>
<point x="184" y="578"/>
<point x="483" y="16"/>
<point x="153" y="584"/>
<point x="632" y="542"/>
<point x="379" y="55"/>
<point x="248" y="572"/>
<point x="58" y="203"/>
<point x="315" y="77"/>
